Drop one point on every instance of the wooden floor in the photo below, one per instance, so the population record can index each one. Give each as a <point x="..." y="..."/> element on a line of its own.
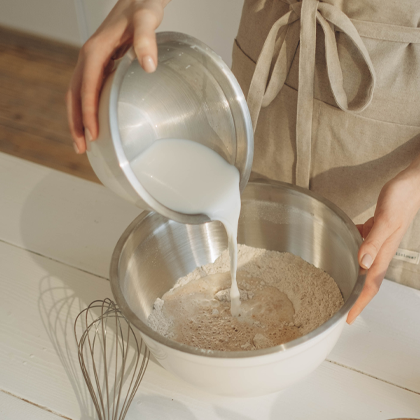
<point x="34" y="76"/>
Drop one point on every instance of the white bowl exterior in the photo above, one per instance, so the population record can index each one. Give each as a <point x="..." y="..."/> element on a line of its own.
<point x="102" y="155"/>
<point x="248" y="376"/>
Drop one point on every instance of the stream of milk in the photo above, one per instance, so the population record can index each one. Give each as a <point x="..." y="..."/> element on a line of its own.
<point x="190" y="178"/>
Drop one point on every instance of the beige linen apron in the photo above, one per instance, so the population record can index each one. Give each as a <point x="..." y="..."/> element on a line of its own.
<point x="335" y="87"/>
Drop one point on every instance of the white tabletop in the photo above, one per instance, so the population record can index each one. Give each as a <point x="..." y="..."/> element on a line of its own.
<point x="57" y="233"/>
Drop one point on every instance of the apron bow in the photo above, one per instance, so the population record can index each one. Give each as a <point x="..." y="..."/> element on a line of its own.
<point x="264" y="88"/>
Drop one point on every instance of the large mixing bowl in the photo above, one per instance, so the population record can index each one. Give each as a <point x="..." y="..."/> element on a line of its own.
<point x="192" y="95"/>
<point x="154" y="252"/>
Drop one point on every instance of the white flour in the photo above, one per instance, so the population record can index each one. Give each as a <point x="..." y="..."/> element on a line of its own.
<point x="283" y="297"/>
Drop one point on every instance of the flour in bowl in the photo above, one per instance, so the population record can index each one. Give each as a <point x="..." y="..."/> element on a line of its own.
<point x="282" y="298"/>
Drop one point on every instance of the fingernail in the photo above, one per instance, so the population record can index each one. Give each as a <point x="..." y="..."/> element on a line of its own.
<point x="88" y="136"/>
<point x="76" y="149"/>
<point x="351" y="323"/>
<point x="148" y="64"/>
<point x="367" y="261"/>
<point x="88" y="139"/>
<point x="141" y="43"/>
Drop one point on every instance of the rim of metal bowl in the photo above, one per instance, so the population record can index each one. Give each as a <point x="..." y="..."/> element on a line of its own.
<point x="130" y="315"/>
<point x="120" y="72"/>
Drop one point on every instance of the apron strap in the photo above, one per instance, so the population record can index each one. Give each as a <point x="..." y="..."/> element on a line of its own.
<point x="258" y="87"/>
<point x="327" y="13"/>
<point x="263" y="89"/>
<point x="305" y="100"/>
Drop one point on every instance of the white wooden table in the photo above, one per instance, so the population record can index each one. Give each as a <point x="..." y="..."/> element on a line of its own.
<point x="57" y="234"/>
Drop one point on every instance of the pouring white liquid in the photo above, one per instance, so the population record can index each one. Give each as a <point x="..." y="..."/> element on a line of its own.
<point x="190" y="178"/>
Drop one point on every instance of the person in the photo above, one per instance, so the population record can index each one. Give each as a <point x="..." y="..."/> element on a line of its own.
<point x="334" y="87"/>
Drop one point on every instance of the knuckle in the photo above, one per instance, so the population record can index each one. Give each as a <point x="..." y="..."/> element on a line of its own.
<point x="88" y="110"/>
<point x="141" y="16"/>
<point x="142" y="42"/>
<point x="372" y="247"/>
<point x="142" y="12"/>
<point x="88" y="94"/>
<point x="146" y="15"/>
<point x="89" y="47"/>
<point x="88" y="114"/>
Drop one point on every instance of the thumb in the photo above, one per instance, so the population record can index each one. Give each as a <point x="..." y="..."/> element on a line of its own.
<point x="380" y="232"/>
<point x="146" y="22"/>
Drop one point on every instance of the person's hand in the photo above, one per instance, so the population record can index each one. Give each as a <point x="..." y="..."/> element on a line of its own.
<point x="398" y="203"/>
<point x="129" y="22"/>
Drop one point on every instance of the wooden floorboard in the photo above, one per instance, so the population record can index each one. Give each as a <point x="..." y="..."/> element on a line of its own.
<point x="34" y="76"/>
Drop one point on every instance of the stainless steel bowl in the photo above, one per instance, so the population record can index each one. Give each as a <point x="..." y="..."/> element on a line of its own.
<point x="192" y="95"/>
<point x="154" y="252"/>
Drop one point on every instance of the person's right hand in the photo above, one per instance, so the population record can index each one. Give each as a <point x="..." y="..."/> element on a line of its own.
<point x="129" y="22"/>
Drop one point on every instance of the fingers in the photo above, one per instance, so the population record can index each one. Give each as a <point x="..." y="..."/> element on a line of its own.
<point x="373" y="282"/>
<point x="146" y="20"/>
<point x="95" y="63"/>
<point x="82" y="102"/>
<point x="83" y="95"/>
<point x="74" y="113"/>
<point x="382" y="238"/>
<point x="398" y="203"/>
<point x="376" y="232"/>
<point x="375" y="275"/>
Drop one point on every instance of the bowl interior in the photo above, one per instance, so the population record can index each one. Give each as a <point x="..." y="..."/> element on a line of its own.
<point x="155" y="252"/>
<point x="192" y="95"/>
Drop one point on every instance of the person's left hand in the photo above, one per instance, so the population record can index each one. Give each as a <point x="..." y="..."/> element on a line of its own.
<point x="398" y="203"/>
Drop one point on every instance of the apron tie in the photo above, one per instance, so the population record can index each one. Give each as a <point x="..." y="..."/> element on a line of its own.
<point x="265" y="87"/>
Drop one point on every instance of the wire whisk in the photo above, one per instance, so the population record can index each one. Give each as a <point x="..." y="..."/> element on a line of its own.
<point x="112" y="358"/>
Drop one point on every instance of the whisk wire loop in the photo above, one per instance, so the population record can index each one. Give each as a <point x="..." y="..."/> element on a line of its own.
<point x="104" y="346"/>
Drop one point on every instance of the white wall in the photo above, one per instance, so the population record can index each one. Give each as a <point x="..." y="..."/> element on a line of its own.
<point x="49" y="18"/>
<point x="214" y="22"/>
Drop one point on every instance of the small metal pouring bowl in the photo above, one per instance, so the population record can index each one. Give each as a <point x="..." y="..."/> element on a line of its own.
<point x="192" y="95"/>
<point x="154" y="252"/>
